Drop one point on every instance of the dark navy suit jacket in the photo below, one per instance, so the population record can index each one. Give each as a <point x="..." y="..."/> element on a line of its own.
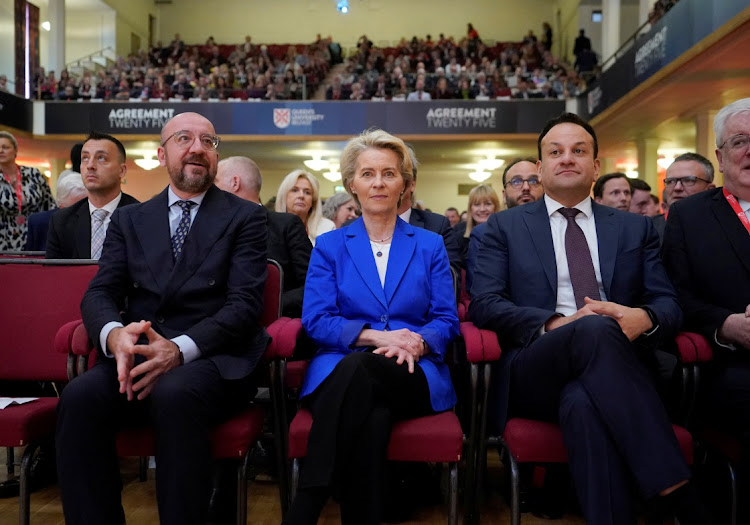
<point x="514" y="291"/>
<point x="213" y="293"/>
<point x="343" y="295"/>
<point x="36" y="238"/>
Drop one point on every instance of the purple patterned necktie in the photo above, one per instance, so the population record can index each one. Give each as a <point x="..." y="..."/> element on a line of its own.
<point x="580" y="266"/>
<point x="178" y="239"/>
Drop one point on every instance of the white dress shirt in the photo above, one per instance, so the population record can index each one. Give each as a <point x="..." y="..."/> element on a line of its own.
<point x="110" y="207"/>
<point x="566" y="302"/>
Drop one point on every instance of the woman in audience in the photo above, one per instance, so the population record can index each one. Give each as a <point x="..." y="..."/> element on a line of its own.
<point x="340" y="208"/>
<point x="483" y="202"/>
<point x="379" y="303"/>
<point x="299" y="193"/>
<point x="23" y="191"/>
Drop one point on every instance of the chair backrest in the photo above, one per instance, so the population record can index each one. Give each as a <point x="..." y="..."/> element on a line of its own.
<point x="272" y="294"/>
<point x="38" y="298"/>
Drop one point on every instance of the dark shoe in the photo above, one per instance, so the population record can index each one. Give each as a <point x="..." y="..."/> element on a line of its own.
<point x="10" y="488"/>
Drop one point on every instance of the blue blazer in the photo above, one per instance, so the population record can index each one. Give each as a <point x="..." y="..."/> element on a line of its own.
<point x="343" y="296"/>
<point x="514" y="288"/>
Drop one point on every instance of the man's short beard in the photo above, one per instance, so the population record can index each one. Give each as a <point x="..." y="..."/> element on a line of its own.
<point x="194" y="184"/>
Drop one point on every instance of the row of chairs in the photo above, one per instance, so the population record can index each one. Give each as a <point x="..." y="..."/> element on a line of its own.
<point x="31" y="355"/>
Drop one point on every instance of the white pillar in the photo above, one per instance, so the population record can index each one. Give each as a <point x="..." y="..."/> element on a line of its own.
<point x="648" y="169"/>
<point x="56" y="11"/>
<point x="610" y="27"/>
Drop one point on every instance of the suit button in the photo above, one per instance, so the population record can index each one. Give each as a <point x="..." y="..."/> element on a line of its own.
<point x="136" y="285"/>
<point x="211" y="282"/>
<point x="160" y="319"/>
<point x="383" y="318"/>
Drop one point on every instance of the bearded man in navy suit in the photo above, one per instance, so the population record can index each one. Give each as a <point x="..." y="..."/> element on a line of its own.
<point x="579" y="298"/>
<point x="174" y="314"/>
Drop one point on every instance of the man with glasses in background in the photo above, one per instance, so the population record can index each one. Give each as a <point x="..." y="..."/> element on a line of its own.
<point x="173" y="312"/>
<point x="706" y="252"/>
<point x="690" y="173"/>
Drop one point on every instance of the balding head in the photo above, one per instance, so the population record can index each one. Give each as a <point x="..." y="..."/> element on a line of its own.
<point x="240" y="176"/>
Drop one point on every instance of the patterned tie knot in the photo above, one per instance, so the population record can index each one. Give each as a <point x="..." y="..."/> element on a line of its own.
<point x="97" y="232"/>
<point x="99" y="215"/>
<point x="569" y="213"/>
<point x="185" y="205"/>
<point x="178" y="239"/>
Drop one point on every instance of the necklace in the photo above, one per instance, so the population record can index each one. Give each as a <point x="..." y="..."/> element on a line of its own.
<point x="380" y="244"/>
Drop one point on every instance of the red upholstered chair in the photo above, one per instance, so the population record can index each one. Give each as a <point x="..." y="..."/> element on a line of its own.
<point x="523" y="440"/>
<point x="234" y="438"/>
<point x="39" y="297"/>
<point x="694" y="351"/>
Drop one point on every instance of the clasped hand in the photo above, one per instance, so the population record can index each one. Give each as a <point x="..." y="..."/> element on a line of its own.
<point x="633" y="321"/>
<point x="403" y="344"/>
<point x="736" y="329"/>
<point x="161" y="356"/>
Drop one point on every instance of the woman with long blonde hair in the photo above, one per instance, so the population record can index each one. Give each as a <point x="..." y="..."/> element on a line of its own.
<point x="299" y="193"/>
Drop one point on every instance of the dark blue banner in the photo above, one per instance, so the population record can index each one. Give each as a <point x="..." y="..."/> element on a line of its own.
<point x="16" y="112"/>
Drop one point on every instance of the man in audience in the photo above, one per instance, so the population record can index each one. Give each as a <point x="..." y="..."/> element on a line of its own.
<point x="690" y="173"/>
<point x="173" y="311"/>
<point x="78" y="231"/>
<point x="640" y="198"/>
<point x="288" y="243"/>
<point x="419" y="93"/>
<point x="577" y="295"/>
<point x="453" y="217"/>
<point x="68" y="191"/>
<point x="613" y="190"/>
<point x="654" y="207"/>
<point x="706" y="252"/>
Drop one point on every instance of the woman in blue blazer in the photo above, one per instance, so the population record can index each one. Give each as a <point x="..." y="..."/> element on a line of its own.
<point x="379" y="303"/>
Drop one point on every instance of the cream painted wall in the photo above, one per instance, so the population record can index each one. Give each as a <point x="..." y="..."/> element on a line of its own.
<point x="568" y="22"/>
<point x="382" y="20"/>
<point x="132" y="17"/>
<point x="7" y="59"/>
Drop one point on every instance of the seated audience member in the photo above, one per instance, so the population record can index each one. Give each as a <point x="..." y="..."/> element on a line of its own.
<point x="613" y="190"/>
<point x="379" y="302"/>
<point x="442" y="91"/>
<point x="79" y="231"/>
<point x="357" y="93"/>
<point x="340" y="207"/>
<point x="640" y="198"/>
<point x="689" y="173"/>
<point x="288" y="243"/>
<point x="655" y="206"/>
<point x="69" y="190"/>
<point x="452" y="215"/>
<point x="176" y="349"/>
<point x="299" y="193"/>
<point x="521" y="185"/>
<point x="419" y="93"/>
<point x="706" y="251"/>
<point x="335" y="91"/>
<point x="483" y="202"/>
<point x="578" y="297"/>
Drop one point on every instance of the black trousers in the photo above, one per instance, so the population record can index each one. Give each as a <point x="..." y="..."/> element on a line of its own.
<point x="353" y="410"/>
<point x="586" y="376"/>
<point x="184" y="405"/>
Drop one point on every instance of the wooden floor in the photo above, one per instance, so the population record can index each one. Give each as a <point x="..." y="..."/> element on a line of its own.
<point x="139" y="501"/>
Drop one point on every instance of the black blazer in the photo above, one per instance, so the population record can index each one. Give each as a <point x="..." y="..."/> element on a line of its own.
<point x="660" y="222"/>
<point x="289" y="245"/>
<point x="69" y="234"/>
<point x="36" y="238"/>
<point x="439" y="224"/>
<point x="706" y="251"/>
<point x="213" y="293"/>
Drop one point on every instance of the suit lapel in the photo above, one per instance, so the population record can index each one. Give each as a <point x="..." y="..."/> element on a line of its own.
<point x="402" y="251"/>
<point x="607" y="235"/>
<point x="358" y="246"/>
<point x="151" y="224"/>
<point x="736" y="233"/>
<point x="537" y="221"/>
<point x="82" y="231"/>
<point x="416" y="219"/>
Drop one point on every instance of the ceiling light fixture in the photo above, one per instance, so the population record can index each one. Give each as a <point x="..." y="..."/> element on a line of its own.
<point x="316" y="163"/>
<point x="342" y="6"/>
<point x="332" y="175"/>
<point x="665" y="161"/>
<point x="490" y="163"/>
<point x="46" y="25"/>
<point x="479" y="176"/>
<point x="148" y="162"/>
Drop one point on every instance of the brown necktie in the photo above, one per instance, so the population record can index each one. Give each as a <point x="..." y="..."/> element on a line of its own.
<point x="580" y="266"/>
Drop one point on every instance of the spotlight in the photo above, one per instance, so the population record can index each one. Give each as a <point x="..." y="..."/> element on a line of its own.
<point x="342" y="6"/>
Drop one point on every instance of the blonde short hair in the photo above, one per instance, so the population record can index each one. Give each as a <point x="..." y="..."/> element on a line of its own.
<point x="374" y="139"/>
<point x="481" y="192"/>
<point x="315" y="213"/>
<point x="11" y="138"/>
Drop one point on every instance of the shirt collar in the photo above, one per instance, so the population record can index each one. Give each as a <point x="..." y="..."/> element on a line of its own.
<point x="584" y="206"/>
<point x="172" y="197"/>
<point x="110" y="207"/>
<point x="406" y="215"/>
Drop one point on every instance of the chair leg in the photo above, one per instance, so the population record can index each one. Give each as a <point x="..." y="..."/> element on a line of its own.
<point x="24" y="496"/>
<point x="481" y="452"/>
<point x="280" y="426"/>
<point x="143" y="468"/>
<point x="10" y="461"/>
<point x="242" y="489"/>
<point x="515" y="486"/>
<point x="733" y="494"/>
<point x="471" y="457"/>
<point x="295" y="477"/>
<point x="453" y="494"/>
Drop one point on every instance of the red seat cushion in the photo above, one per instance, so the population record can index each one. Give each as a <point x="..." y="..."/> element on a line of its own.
<point x="726" y="444"/>
<point x="533" y="441"/>
<point x="295" y="373"/>
<point x="22" y="424"/>
<point x="436" y="438"/>
<point x="231" y="439"/>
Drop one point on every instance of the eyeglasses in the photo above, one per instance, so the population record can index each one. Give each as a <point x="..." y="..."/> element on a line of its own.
<point x="688" y="181"/>
<point x="185" y="139"/>
<point x="737" y="142"/>
<point x="517" y="182"/>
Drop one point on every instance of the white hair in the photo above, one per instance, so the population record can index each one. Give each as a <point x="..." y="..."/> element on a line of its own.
<point x="70" y="188"/>
<point x="738" y="106"/>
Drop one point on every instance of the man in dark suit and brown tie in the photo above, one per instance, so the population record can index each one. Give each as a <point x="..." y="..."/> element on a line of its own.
<point x="174" y="312"/>
<point x="577" y="294"/>
<point x="78" y="231"/>
<point x="706" y="252"/>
